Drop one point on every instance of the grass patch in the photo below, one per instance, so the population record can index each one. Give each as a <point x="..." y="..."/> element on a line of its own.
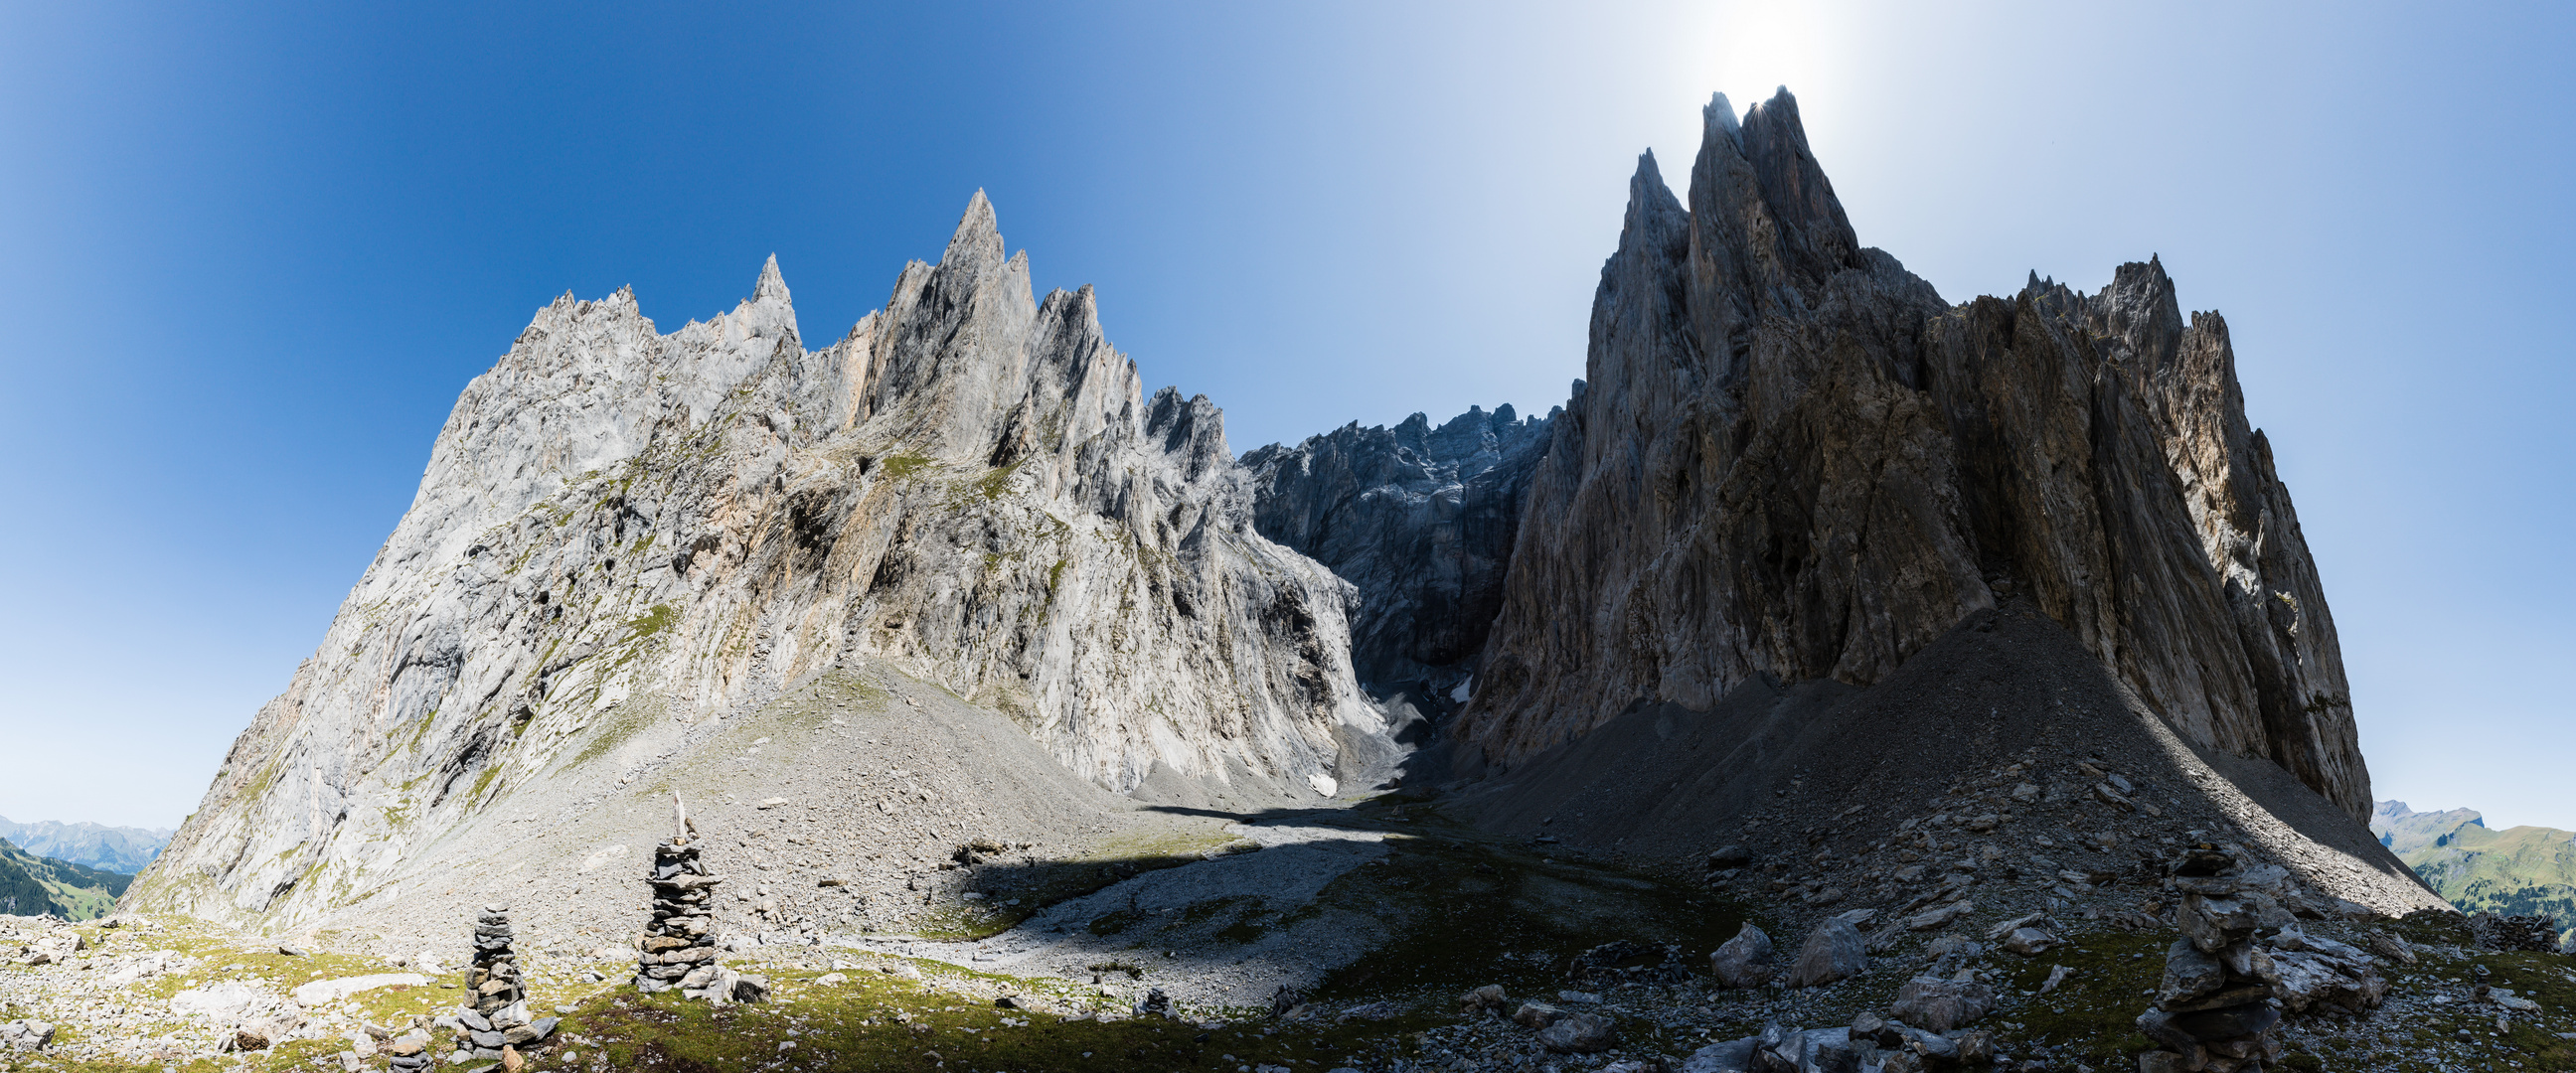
<point x="903" y="466"/>
<point x="2095" y="1011"/>
<point x="948" y="1022"/>
<point x="993" y="484"/>
<point x="655" y="620"/>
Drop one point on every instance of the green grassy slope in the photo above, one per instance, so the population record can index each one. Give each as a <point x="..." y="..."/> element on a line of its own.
<point x="36" y="886"/>
<point x="2516" y="871"/>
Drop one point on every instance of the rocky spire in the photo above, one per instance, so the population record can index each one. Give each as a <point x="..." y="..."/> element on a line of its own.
<point x="977" y="242"/>
<point x="772" y="286"/>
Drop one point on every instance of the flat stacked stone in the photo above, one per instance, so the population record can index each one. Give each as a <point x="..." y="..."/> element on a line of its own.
<point x="2217" y="1005"/>
<point x="407" y="1055"/>
<point x="679" y="947"/>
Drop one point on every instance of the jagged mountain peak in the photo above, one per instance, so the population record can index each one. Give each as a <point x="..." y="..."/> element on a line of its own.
<point x="977" y="242"/>
<point x="772" y="286"/>
<point x="1761" y="391"/>
<point x="1717" y="120"/>
<point x="626" y="541"/>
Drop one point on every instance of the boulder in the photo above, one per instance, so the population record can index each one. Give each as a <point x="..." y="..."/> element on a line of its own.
<point x="1743" y="961"/>
<point x="2391" y="947"/>
<point x="1834" y="951"/>
<point x="26" y="1035"/>
<point x="2296" y="938"/>
<point x="2305" y="979"/>
<point x="1578" y="1033"/>
<point x="2029" y="942"/>
<point x="1820" y="1050"/>
<point x="224" y="1001"/>
<point x="1732" y="1056"/>
<point x="1939" y="1005"/>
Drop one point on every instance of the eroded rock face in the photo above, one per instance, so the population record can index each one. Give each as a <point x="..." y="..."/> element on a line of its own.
<point x="1791" y="458"/>
<point x="1420" y="521"/>
<point x="621" y="528"/>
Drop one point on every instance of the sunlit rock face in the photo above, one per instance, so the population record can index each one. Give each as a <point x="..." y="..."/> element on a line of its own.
<point x="1791" y="458"/>
<point x="622" y="532"/>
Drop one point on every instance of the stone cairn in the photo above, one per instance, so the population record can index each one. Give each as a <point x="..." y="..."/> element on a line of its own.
<point x="495" y="980"/>
<point x="679" y="947"/>
<point x="2215" y="1010"/>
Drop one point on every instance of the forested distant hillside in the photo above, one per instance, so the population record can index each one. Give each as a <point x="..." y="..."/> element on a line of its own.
<point x="41" y="886"/>
<point x="2516" y="871"/>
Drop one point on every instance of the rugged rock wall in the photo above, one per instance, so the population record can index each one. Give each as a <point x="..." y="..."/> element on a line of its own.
<point x="1791" y="458"/>
<point x="1420" y="521"/>
<point x="620" y="530"/>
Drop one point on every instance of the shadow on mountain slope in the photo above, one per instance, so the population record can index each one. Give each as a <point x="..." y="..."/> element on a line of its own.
<point x="1833" y="783"/>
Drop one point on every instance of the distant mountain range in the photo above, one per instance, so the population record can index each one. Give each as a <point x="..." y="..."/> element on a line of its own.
<point x="108" y="849"/>
<point x="2519" y="870"/>
<point x="31" y="885"/>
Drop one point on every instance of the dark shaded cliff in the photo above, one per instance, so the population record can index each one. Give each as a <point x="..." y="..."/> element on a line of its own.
<point x="1420" y="521"/>
<point x="1793" y="460"/>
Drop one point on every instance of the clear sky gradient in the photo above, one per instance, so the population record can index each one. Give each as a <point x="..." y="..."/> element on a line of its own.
<point x="253" y="252"/>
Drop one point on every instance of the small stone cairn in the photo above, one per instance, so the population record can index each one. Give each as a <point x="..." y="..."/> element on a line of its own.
<point x="679" y="947"/>
<point x="493" y="1024"/>
<point x="495" y="979"/>
<point x="2216" y="1007"/>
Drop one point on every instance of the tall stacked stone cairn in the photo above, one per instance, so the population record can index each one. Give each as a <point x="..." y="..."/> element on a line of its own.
<point x="2216" y="1007"/>
<point x="495" y="978"/>
<point x="679" y="946"/>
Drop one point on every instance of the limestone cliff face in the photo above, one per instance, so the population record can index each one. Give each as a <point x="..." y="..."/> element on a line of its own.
<point x="621" y="531"/>
<point x="1791" y="458"/>
<point x="1420" y="521"/>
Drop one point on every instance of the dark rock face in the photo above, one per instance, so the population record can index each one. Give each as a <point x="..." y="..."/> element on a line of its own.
<point x="1794" y="460"/>
<point x="1420" y="520"/>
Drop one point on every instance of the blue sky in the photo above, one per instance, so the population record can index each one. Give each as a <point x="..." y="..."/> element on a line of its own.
<point x="253" y="252"/>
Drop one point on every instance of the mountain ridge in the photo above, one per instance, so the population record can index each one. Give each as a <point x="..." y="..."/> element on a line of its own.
<point x="112" y="849"/>
<point x="2524" y="870"/>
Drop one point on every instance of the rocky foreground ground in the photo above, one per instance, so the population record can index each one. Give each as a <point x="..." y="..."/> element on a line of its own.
<point x="1385" y="938"/>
